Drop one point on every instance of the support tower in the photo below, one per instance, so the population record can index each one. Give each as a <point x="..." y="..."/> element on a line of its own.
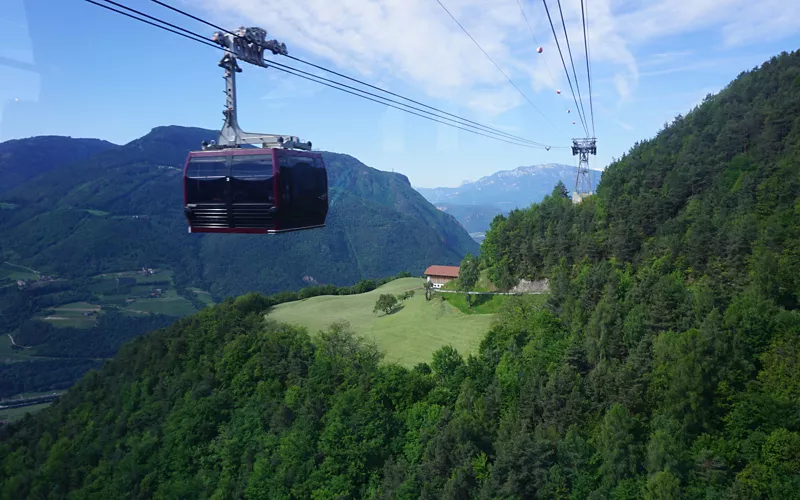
<point x="583" y="183"/>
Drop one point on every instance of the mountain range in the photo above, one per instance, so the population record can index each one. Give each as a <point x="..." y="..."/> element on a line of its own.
<point x="24" y="159"/>
<point x="81" y="207"/>
<point x="475" y="203"/>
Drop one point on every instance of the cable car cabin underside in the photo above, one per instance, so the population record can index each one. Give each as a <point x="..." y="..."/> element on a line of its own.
<point x="255" y="191"/>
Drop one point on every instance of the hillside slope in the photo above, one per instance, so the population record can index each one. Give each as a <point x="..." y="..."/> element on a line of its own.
<point x="122" y="209"/>
<point x="407" y="336"/>
<point x="24" y="159"/>
<point x="680" y="282"/>
<point x="664" y="367"/>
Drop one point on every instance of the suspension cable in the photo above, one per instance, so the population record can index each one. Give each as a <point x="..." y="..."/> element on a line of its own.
<point x="584" y="18"/>
<point x="572" y="62"/>
<point x="525" y="17"/>
<point x="274" y="63"/>
<point x="485" y="127"/>
<point x="498" y="67"/>
<point x="561" y="54"/>
<point x="314" y="78"/>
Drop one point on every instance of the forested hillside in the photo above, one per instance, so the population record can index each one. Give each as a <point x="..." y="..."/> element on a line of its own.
<point x="123" y="209"/>
<point x="664" y="365"/>
<point x="24" y="159"/>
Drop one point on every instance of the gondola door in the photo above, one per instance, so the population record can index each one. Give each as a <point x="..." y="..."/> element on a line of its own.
<point x="303" y="191"/>
<point x="252" y="191"/>
<point x="208" y="191"/>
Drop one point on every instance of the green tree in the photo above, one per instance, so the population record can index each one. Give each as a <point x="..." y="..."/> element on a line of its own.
<point x="428" y="290"/>
<point x="446" y="360"/>
<point x="560" y="190"/>
<point x="663" y="485"/>
<point x="386" y="303"/>
<point x="468" y="275"/>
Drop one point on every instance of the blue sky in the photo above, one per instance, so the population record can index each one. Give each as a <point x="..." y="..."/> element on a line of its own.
<point x="71" y="68"/>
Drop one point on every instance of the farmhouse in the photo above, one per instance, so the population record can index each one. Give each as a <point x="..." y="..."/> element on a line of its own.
<point x="439" y="275"/>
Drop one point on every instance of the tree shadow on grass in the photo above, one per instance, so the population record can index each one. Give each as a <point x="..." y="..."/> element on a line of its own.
<point x="396" y="309"/>
<point x="478" y="300"/>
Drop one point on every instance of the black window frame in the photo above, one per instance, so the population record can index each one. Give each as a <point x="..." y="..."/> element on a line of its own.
<point x="199" y="160"/>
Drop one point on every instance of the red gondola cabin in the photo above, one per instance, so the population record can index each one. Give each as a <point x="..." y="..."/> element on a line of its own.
<point x="254" y="190"/>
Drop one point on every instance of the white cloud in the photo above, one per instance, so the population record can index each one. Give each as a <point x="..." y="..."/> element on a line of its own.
<point x="493" y="101"/>
<point x="624" y="125"/>
<point x="663" y="58"/>
<point x="767" y="20"/>
<point x="738" y="21"/>
<point x="623" y="86"/>
<point x="416" y="42"/>
<point x="283" y="87"/>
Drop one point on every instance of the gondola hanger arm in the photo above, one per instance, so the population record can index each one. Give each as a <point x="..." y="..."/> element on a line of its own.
<point x="247" y="44"/>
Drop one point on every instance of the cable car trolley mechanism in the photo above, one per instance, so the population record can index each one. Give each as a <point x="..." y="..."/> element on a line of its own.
<point x="280" y="187"/>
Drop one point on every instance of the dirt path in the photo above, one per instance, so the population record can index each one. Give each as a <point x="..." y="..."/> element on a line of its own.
<point x="14" y="343"/>
<point x="23" y="267"/>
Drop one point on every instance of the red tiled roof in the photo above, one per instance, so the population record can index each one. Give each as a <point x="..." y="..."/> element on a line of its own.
<point x="446" y="271"/>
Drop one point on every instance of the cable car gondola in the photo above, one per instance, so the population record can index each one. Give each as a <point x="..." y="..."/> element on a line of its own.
<point x="228" y="188"/>
<point x="255" y="190"/>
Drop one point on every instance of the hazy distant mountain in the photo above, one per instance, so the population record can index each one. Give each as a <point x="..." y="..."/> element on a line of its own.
<point x="474" y="218"/>
<point x="506" y="189"/>
<point x="475" y="204"/>
<point x="24" y="159"/>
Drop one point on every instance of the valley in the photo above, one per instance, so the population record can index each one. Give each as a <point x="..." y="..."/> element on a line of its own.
<point x="95" y="249"/>
<point x="55" y="329"/>
<point x="122" y="209"/>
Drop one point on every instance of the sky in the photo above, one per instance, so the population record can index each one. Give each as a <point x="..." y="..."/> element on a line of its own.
<point x="72" y="68"/>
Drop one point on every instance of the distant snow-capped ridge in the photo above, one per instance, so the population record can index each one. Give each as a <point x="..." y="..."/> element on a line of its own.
<point x="475" y="204"/>
<point x="506" y="189"/>
<point x="526" y="170"/>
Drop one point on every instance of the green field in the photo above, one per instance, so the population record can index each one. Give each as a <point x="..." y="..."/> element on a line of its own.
<point x="12" y="414"/>
<point x="7" y="353"/>
<point x="170" y="304"/>
<point x="161" y="275"/>
<point x="481" y="304"/>
<point x="79" y="307"/>
<point x="13" y="272"/>
<point x="97" y="213"/>
<point x="408" y="336"/>
<point x="24" y="395"/>
<point x="202" y="296"/>
<point x="71" y="315"/>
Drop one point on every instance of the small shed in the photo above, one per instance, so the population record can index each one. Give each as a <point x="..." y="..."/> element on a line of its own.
<point x="439" y="275"/>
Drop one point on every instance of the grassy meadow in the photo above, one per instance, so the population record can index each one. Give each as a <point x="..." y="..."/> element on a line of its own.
<point x="408" y="336"/>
